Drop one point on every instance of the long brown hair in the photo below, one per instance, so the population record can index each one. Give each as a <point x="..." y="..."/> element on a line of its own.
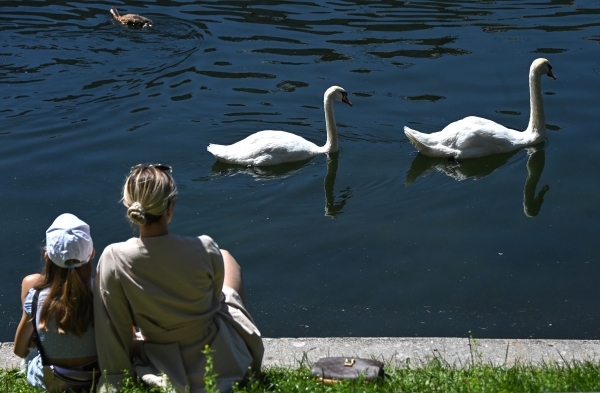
<point x="70" y="298"/>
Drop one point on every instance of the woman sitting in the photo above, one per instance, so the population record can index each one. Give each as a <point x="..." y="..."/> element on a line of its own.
<point x="182" y="293"/>
<point x="63" y="312"/>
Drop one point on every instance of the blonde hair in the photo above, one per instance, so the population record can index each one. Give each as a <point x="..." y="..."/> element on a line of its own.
<point x="70" y="298"/>
<point x="147" y="193"/>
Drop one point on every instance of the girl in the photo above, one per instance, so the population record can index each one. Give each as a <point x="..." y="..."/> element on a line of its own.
<point x="64" y="309"/>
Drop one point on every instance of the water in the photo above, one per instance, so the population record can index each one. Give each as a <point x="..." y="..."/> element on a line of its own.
<point x="373" y="241"/>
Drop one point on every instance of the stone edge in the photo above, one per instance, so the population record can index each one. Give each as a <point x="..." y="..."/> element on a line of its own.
<point x="293" y="352"/>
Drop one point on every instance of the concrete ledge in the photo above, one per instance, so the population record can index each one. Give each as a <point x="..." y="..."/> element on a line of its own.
<point x="290" y="352"/>
<point x="7" y="357"/>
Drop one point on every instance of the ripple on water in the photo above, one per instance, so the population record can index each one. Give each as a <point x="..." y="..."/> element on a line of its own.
<point x="98" y="58"/>
<point x="83" y="98"/>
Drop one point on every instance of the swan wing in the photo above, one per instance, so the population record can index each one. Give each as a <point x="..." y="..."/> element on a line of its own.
<point x="467" y="138"/>
<point x="477" y="137"/>
<point x="265" y="148"/>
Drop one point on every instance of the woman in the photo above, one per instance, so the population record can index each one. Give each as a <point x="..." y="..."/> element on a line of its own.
<point x="182" y="293"/>
<point x="64" y="309"/>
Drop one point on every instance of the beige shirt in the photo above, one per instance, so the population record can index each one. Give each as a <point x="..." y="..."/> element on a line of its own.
<point x="171" y="288"/>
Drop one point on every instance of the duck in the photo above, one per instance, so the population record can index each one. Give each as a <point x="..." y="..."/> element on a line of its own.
<point x="131" y="19"/>
<point x="271" y="147"/>
<point x="474" y="137"/>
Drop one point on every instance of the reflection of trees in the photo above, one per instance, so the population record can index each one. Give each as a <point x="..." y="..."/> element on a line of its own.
<point x="333" y="209"/>
<point x="478" y="168"/>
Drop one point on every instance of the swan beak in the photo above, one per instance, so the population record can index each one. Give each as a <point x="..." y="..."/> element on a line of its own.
<point x="551" y="74"/>
<point x="346" y="100"/>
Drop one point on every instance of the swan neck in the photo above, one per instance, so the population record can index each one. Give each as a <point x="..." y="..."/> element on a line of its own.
<point x="537" y="119"/>
<point x="331" y="146"/>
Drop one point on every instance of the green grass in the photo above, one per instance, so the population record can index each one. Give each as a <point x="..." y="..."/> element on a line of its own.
<point x="434" y="376"/>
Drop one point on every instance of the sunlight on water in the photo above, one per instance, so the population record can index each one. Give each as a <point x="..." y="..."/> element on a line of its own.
<point x="373" y="241"/>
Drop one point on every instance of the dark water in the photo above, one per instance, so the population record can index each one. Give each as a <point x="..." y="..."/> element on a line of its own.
<point x="373" y="241"/>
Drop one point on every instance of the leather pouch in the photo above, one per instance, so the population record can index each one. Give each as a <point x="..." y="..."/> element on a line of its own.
<point x="332" y="369"/>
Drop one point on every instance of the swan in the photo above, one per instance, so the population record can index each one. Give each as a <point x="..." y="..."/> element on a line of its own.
<point x="275" y="147"/>
<point x="131" y="19"/>
<point x="476" y="137"/>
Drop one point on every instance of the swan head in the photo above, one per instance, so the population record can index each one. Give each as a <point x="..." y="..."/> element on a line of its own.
<point x="541" y="66"/>
<point x="337" y="93"/>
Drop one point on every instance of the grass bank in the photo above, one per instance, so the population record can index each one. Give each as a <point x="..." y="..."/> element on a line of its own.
<point x="434" y="376"/>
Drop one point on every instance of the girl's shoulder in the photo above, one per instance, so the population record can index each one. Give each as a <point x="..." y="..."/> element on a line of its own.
<point x="29" y="282"/>
<point x="29" y="299"/>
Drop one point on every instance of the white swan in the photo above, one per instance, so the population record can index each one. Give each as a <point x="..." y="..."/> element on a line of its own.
<point x="275" y="147"/>
<point x="476" y="137"/>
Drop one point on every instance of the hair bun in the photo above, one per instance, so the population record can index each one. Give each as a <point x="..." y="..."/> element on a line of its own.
<point x="137" y="213"/>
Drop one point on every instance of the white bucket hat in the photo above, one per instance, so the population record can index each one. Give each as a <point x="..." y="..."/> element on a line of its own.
<point x="69" y="238"/>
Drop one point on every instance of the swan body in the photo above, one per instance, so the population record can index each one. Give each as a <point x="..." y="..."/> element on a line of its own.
<point x="275" y="147"/>
<point x="131" y="19"/>
<point x="477" y="137"/>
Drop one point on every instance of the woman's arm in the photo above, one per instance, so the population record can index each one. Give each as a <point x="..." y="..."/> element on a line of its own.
<point x="25" y="328"/>
<point x="113" y="325"/>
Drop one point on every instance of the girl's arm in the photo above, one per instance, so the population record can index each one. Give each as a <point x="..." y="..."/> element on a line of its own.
<point x="23" y="336"/>
<point x="25" y="328"/>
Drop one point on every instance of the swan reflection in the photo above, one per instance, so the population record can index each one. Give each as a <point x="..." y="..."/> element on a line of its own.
<point x="535" y="165"/>
<point x="478" y="168"/>
<point x="272" y="172"/>
<point x="333" y="208"/>
<point x="475" y="168"/>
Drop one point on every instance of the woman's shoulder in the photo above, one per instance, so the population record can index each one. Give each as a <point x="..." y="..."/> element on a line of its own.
<point x="120" y="246"/>
<point x="191" y="239"/>
<point x="115" y="253"/>
<point x="208" y="242"/>
<point x="203" y="241"/>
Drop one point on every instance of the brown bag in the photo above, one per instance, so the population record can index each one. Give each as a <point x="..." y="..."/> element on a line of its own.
<point x="333" y="369"/>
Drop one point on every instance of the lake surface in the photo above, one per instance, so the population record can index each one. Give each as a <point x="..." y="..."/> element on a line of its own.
<point x="372" y="241"/>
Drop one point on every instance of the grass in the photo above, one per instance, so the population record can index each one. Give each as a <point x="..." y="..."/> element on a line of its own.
<point x="434" y="376"/>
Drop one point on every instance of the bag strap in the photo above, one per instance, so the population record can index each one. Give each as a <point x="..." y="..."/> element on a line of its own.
<point x="35" y="337"/>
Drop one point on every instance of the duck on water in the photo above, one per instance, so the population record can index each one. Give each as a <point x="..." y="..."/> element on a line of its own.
<point x="131" y="19"/>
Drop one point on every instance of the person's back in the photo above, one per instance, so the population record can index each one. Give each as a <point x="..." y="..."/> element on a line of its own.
<point x="182" y="293"/>
<point x="169" y="279"/>
<point x="63" y="304"/>
<point x="61" y="348"/>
